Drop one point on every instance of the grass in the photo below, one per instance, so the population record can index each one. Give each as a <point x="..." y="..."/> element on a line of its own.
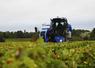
<point x="22" y="53"/>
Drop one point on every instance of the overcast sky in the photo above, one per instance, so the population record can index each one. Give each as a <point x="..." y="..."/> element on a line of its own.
<point x="26" y="14"/>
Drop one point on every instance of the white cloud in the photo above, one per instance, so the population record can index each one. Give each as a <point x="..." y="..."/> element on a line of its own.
<point x="35" y="12"/>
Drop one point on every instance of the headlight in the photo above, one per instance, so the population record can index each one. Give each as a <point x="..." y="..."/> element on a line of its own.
<point x="60" y="40"/>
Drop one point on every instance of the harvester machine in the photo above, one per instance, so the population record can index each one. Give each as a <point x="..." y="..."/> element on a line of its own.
<point x="58" y="31"/>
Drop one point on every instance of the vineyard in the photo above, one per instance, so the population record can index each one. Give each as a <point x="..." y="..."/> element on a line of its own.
<point x="79" y="54"/>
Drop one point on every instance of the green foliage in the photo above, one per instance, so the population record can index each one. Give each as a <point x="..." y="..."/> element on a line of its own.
<point x="79" y="54"/>
<point x="79" y="34"/>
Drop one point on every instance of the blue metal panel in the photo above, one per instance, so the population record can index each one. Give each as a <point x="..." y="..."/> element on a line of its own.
<point x="59" y="39"/>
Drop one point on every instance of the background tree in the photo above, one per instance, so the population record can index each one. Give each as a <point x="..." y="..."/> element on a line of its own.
<point x="92" y="35"/>
<point x="19" y="34"/>
<point x="78" y="34"/>
<point x="2" y="39"/>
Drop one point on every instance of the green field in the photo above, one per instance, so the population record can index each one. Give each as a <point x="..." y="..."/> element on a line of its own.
<point x="26" y="54"/>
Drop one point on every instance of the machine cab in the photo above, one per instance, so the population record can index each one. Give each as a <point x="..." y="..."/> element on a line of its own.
<point x="59" y="25"/>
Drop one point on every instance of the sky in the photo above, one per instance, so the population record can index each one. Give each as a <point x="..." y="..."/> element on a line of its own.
<point x="26" y="14"/>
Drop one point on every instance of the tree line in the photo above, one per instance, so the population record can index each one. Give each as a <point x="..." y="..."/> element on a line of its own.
<point x="17" y="34"/>
<point x="77" y="34"/>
